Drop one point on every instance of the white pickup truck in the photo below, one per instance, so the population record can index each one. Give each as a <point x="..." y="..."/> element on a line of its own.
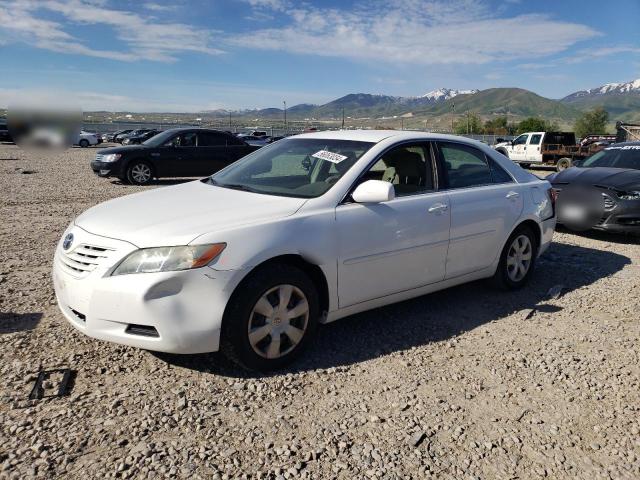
<point x="544" y="148"/>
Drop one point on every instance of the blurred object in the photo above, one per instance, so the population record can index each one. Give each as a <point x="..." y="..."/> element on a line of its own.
<point x="86" y="139"/>
<point x="44" y="123"/>
<point x="5" y="136"/>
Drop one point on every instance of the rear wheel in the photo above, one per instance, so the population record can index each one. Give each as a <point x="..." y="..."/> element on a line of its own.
<point x="563" y="164"/>
<point x="517" y="259"/>
<point x="271" y="318"/>
<point x="139" y="173"/>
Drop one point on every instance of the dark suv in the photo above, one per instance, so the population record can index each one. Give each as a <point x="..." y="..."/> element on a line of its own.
<point x="179" y="152"/>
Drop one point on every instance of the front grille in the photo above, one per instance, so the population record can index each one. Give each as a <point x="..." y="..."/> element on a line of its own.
<point x="83" y="259"/>
<point x="142" y="330"/>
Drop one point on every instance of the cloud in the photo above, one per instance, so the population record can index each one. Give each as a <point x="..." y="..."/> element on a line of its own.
<point x="416" y="32"/>
<point x="156" y="7"/>
<point x="145" y="38"/>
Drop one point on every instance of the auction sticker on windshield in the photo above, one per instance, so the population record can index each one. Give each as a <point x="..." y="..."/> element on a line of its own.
<point x="329" y="156"/>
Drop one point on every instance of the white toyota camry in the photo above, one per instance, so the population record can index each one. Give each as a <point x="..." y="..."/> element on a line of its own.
<point x="304" y="231"/>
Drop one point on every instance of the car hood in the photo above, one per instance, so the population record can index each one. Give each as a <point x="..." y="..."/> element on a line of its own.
<point x="177" y="215"/>
<point x="121" y="150"/>
<point x="617" y="178"/>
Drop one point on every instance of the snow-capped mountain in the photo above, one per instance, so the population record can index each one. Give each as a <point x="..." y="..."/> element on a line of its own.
<point x="443" y="94"/>
<point x="632" y="87"/>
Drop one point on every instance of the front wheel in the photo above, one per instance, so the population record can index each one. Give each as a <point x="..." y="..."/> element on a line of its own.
<point x="517" y="260"/>
<point x="271" y="318"/>
<point x="84" y="143"/>
<point x="139" y="173"/>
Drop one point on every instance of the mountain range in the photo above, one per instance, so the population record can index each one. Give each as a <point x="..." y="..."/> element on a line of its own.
<point x="621" y="100"/>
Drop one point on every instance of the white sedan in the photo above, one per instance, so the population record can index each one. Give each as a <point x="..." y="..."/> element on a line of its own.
<point x="304" y="231"/>
<point x="86" y="138"/>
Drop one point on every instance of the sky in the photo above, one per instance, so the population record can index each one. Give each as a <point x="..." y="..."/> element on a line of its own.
<point x="196" y="55"/>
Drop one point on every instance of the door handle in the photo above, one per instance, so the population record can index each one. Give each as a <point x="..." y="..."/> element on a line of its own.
<point x="438" y="208"/>
<point x="513" y="195"/>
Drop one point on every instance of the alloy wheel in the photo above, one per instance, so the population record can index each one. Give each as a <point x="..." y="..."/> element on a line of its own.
<point x="278" y="321"/>
<point x="141" y="173"/>
<point x="519" y="258"/>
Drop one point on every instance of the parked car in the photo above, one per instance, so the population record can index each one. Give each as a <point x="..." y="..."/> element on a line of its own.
<point x="179" y="152"/>
<point x="133" y="133"/>
<point x="86" y="139"/>
<point x="138" y="139"/>
<point x="111" y="137"/>
<point x="602" y="191"/>
<point x="309" y="229"/>
<point x="5" y="135"/>
<point x="255" y="141"/>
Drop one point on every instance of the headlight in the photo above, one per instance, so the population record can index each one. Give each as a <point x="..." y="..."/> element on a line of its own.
<point x="169" y="259"/>
<point x="634" y="195"/>
<point x="112" y="157"/>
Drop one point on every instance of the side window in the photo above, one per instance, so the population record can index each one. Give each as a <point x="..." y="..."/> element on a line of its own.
<point x="465" y="165"/>
<point x="183" y="140"/>
<point x="408" y="167"/>
<point x="208" y="139"/>
<point x="521" y="140"/>
<point x="233" y="140"/>
<point x="498" y="174"/>
<point x="535" y="139"/>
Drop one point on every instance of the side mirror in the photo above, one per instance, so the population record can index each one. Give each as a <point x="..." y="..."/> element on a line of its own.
<point x="374" y="191"/>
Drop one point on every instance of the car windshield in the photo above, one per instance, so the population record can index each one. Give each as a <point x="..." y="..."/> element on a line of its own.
<point x="302" y="167"/>
<point x="625" y="156"/>
<point x="160" y="139"/>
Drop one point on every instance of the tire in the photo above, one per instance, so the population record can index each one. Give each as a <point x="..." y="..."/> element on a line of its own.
<point x="139" y="172"/>
<point x="563" y="164"/>
<point x="505" y="278"/>
<point x="247" y="311"/>
<point x="84" y="143"/>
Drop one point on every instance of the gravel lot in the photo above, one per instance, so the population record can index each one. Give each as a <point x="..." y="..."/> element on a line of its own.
<point x="465" y="383"/>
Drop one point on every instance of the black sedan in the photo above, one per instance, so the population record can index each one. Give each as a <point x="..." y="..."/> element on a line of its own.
<point x="140" y="138"/>
<point x="111" y="137"/>
<point x="179" y="152"/>
<point x="602" y="191"/>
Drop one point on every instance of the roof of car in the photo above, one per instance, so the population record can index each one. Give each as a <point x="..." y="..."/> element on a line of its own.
<point x="623" y="144"/>
<point x="376" y="136"/>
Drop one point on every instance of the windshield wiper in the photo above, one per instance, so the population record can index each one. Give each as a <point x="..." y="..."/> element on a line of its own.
<point x="235" y="186"/>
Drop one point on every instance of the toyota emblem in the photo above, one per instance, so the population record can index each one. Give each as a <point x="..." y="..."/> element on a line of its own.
<point x="68" y="241"/>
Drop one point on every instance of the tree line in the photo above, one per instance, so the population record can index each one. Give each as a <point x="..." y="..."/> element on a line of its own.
<point x="591" y="122"/>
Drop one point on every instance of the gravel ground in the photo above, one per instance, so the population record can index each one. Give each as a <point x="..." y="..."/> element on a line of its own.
<point x="465" y="383"/>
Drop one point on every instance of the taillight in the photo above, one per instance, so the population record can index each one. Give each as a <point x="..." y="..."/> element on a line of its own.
<point x="552" y="193"/>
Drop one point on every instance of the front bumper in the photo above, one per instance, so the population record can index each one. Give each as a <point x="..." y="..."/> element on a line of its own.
<point x="105" y="169"/>
<point x="175" y="312"/>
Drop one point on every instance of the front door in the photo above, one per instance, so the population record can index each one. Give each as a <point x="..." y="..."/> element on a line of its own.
<point x="178" y="156"/>
<point x="519" y="150"/>
<point x="398" y="245"/>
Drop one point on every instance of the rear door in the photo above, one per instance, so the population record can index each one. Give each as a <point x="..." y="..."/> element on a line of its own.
<point x="213" y="152"/>
<point x="485" y="203"/>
